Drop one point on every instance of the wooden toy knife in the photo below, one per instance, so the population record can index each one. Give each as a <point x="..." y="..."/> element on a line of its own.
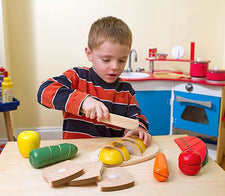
<point x="120" y="121"/>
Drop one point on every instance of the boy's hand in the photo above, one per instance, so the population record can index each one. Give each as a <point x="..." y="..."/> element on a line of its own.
<point x="95" y="109"/>
<point x="143" y="135"/>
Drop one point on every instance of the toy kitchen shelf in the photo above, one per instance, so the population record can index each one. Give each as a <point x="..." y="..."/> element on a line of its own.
<point x="151" y="62"/>
<point x="6" y="108"/>
<point x="192" y="58"/>
<point x="178" y="60"/>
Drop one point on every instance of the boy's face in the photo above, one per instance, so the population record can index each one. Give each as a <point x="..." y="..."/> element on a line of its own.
<point x="108" y="60"/>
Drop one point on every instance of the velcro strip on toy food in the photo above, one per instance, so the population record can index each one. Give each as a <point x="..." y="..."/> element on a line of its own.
<point x="48" y="155"/>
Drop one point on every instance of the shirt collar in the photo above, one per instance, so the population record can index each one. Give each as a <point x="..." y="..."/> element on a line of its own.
<point x="99" y="81"/>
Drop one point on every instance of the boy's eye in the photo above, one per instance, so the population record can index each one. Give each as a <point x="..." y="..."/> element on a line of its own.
<point x="106" y="60"/>
<point x="122" y="61"/>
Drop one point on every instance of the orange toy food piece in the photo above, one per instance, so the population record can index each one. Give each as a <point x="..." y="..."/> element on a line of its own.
<point x="160" y="169"/>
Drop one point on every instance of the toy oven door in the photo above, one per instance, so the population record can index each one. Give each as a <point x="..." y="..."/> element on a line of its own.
<point x="196" y="112"/>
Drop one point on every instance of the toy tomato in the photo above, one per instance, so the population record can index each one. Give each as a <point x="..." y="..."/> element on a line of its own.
<point x="27" y="141"/>
<point x="190" y="162"/>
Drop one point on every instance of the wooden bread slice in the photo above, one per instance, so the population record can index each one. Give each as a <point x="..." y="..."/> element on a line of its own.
<point x="62" y="173"/>
<point x="92" y="174"/>
<point x="114" y="179"/>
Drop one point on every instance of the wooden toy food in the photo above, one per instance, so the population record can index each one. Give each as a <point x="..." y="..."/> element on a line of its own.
<point x="118" y="152"/>
<point x="190" y="162"/>
<point x="195" y="144"/>
<point x="160" y="169"/>
<point x="114" y="154"/>
<point x="114" y="179"/>
<point x="126" y="151"/>
<point x="27" y="141"/>
<point x="92" y="174"/>
<point x="52" y="154"/>
<point x="120" y="121"/>
<point x="134" y="145"/>
<point x="61" y="173"/>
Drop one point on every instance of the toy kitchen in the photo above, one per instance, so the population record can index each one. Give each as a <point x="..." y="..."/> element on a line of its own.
<point x="176" y="102"/>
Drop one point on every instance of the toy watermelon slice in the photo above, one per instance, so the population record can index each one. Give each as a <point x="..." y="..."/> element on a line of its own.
<point x="195" y="144"/>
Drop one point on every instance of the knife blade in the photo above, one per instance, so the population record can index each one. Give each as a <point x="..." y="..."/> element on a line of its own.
<point x="120" y="121"/>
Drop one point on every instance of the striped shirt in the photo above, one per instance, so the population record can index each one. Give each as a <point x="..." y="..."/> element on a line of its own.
<point x="68" y="91"/>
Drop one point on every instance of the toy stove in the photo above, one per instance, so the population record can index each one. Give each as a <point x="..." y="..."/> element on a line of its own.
<point x="197" y="108"/>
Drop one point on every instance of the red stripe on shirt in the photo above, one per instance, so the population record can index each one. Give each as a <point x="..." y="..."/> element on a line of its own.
<point x="49" y="94"/>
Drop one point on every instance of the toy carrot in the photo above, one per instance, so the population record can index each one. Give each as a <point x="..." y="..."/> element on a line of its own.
<point x="160" y="169"/>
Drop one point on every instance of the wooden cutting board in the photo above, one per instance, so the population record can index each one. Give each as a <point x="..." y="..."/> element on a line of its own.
<point x="149" y="153"/>
<point x="170" y="75"/>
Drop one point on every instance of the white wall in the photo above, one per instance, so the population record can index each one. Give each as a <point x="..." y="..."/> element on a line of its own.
<point x="46" y="37"/>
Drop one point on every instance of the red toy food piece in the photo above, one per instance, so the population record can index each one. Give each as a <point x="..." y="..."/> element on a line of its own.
<point x="195" y="144"/>
<point x="190" y="162"/>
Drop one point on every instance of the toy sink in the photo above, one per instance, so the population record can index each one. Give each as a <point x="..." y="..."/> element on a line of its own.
<point x="130" y="75"/>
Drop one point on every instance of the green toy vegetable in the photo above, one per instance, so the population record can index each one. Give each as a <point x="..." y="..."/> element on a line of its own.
<point x="44" y="156"/>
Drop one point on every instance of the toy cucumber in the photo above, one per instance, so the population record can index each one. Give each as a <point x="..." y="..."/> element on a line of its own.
<point x="48" y="155"/>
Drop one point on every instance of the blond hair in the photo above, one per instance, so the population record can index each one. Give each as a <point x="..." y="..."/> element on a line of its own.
<point x="109" y="29"/>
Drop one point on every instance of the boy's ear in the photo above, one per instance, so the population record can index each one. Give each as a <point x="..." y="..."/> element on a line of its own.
<point x="88" y="53"/>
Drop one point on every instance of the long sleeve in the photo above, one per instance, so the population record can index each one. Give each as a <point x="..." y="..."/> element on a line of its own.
<point x="60" y="93"/>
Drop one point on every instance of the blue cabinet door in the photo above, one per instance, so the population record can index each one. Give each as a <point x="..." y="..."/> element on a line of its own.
<point x="155" y="105"/>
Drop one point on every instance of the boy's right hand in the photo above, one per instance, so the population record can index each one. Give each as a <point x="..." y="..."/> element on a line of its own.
<point x="94" y="109"/>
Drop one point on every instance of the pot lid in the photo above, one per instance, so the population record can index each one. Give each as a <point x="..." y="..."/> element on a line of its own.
<point x="216" y="71"/>
<point x="200" y="62"/>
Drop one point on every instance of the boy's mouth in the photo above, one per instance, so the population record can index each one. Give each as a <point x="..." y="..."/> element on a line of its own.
<point x="112" y="75"/>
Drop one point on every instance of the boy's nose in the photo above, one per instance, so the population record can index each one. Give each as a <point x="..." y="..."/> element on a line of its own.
<point x="114" y="65"/>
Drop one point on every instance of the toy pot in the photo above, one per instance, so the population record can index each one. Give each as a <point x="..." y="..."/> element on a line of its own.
<point x="198" y="68"/>
<point x="216" y="75"/>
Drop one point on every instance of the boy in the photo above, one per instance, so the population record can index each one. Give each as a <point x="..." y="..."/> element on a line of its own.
<point x="98" y="90"/>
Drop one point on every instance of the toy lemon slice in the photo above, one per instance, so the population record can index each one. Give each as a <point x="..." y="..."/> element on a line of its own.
<point x="114" y="154"/>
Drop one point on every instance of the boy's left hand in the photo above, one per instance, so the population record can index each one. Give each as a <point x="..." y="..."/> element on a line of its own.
<point x="143" y="135"/>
